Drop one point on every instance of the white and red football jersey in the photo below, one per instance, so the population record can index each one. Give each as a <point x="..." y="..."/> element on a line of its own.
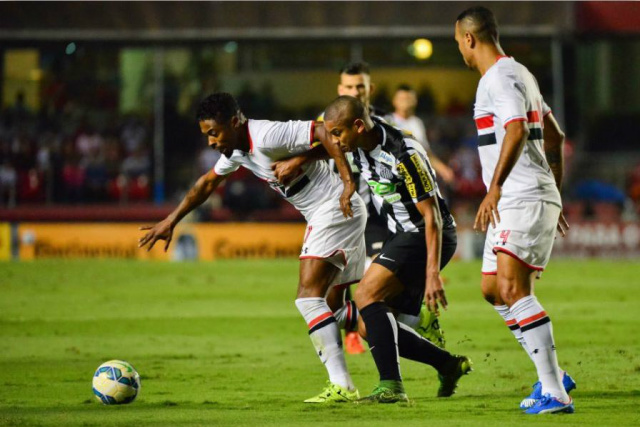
<point x="508" y="92"/>
<point x="272" y="141"/>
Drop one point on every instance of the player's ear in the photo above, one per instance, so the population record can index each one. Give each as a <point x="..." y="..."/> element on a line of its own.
<point x="470" y="40"/>
<point x="359" y="125"/>
<point x="372" y="88"/>
<point x="340" y="91"/>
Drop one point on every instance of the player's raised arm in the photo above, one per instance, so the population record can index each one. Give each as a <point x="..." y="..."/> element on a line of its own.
<point x="163" y="230"/>
<point x="554" y="152"/>
<point x="515" y="137"/>
<point x="333" y="149"/>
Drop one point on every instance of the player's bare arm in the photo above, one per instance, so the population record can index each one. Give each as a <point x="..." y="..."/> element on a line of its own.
<point x="434" y="295"/>
<point x="163" y="230"/>
<point x="286" y="170"/>
<point x="554" y="151"/>
<point x="333" y="149"/>
<point x="515" y="137"/>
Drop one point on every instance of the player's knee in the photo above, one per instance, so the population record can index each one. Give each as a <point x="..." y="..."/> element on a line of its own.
<point x="307" y="290"/>
<point x="489" y="297"/>
<point x="363" y="295"/>
<point x="510" y="289"/>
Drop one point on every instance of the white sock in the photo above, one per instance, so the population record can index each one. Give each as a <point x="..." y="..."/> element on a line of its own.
<point x="347" y="316"/>
<point x="325" y="336"/>
<point x="512" y="324"/>
<point x="538" y="333"/>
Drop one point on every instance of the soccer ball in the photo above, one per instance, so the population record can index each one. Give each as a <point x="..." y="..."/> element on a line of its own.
<point x="116" y="382"/>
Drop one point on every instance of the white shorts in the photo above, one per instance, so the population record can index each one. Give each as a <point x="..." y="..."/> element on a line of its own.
<point x="526" y="232"/>
<point x="338" y="240"/>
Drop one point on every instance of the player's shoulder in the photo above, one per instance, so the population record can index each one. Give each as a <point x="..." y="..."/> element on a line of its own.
<point x="397" y="142"/>
<point x="505" y="69"/>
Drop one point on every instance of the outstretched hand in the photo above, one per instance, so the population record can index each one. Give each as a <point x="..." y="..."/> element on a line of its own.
<point x="161" y="231"/>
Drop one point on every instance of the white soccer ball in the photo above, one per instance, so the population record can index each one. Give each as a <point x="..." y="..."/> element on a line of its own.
<point x="116" y="382"/>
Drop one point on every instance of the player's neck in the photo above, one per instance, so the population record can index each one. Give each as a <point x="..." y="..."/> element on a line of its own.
<point x="488" y="56"/>
<point x="371" y="139"/>
<point x="244" y="138"/>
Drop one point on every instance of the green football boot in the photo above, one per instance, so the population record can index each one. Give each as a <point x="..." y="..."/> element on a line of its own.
<point x="333" y="393"/>
<point x="461" y="365"/>
<point x="386" y="392"/>
<point x="429" y="327"/>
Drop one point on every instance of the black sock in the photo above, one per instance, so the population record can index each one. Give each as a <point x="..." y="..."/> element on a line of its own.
<point x="382" y="340"/>
<point x="414" y="347"/>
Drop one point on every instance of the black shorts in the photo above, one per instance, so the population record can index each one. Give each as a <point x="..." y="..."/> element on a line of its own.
<point x="376" y="232"/>
<point x="405" y="255"/>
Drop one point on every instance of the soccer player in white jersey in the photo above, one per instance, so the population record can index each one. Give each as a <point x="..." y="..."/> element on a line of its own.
<point x="522" y="170"/>
<point x="333" y="249"/>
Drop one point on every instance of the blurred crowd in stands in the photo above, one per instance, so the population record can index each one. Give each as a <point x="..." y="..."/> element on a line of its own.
<point x="59" y="156"/>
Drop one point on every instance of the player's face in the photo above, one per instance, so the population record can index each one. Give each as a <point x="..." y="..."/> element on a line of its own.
<point x="345" y="135"/>
<point x="220" y="136"/>
<point x="357" y="85"/>
<point x="405" y="101"/>
<point x="463" y="46"/>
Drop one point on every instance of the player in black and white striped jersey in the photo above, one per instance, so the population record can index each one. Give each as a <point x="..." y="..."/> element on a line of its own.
<point x="423" y="241"/>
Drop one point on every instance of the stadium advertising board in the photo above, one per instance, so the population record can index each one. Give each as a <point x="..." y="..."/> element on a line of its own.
<point x="600" y="239"/>
<point x="5" y="241"/>
<point x="197" y="241"/>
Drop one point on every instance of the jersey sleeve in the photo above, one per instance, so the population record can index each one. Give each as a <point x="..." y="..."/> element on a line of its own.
<point x="508" y="99"/>
<point x="545" y="109"/>
<point x="293" y="136"/>
<point x="225" y="166"/>
<point x="417" y="176"/>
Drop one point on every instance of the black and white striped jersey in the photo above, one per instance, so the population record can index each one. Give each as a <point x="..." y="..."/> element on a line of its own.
<point x="399" y="175"/>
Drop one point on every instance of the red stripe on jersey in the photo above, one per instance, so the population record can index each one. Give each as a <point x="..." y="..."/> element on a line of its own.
<point x="533" y="318"/>
<point x="319" y="319"/>
<point x="484" y="122"/>
<point x="533" y="116"/>
<point x="511" y="322"/>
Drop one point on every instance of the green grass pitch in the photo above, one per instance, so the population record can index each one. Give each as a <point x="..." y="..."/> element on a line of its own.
<point x="221" y="344"/>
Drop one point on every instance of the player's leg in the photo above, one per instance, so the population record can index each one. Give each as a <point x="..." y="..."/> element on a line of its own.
<point x="316" y="275"/>
<point x="344" y="310"/>
<point x="515" y="283"/>
<point x="492" y="296"/>
<point x="389" y="339"/>
<point x="381" y="328"/>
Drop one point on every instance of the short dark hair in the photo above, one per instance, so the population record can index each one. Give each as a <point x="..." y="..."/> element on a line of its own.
<point x="345" y="107"/>
<point x="220" y="106"/>
<point x="483" y="23"/>
<point x="354" y="68"/>
<point x="405" y="87"/>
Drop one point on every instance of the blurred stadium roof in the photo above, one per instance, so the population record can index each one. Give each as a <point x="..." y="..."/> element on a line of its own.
<point x="179" y="21"/>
